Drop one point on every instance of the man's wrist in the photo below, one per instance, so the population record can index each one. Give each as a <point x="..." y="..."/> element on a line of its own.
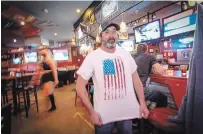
<point x="142" y="103"/>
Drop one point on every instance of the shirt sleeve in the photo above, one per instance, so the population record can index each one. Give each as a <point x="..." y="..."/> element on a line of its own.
<point x="86" y="69"/>
<point x="133" y="64"/>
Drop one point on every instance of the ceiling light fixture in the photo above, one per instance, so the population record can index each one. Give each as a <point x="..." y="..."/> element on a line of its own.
<point x="14" y="40"/>
<point x="78" y="11"/>
<point x="97" y="39"/>
<point x="154" y="16"/>
<point x="123" y="27"/>
<point x="135" y="23"/>
<point x="144" y="20"/>
<point x="22" y="23"/>
<point x="46" y="11"/>
<point x="55" y="34"/>
<point x="136" y="11"/>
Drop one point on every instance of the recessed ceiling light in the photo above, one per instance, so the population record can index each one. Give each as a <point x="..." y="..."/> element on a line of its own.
<point x="78" y="10"/>
<point x="46" y="11"/>
<point x="14" y="40"/>
<point x="22" y="23"/>
<point x="55" y="34"/>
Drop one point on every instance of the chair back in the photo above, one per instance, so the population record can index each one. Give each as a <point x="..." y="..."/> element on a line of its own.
<point x="6" y="119"/>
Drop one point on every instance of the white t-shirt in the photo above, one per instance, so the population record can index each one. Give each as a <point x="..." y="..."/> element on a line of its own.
<point x="114" y="95"/>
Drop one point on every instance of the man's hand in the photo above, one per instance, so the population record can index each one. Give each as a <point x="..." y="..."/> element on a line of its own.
<point x="95" y="118"/>
<point x="144" y="111"/>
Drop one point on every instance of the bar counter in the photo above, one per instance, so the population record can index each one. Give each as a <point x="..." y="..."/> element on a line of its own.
<point x="177" y="85"/>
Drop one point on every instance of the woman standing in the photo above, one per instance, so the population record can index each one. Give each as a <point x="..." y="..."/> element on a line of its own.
<point x="49" y="80"/>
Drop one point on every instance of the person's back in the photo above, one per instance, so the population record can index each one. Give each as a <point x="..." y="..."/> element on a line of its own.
<point x="145" y="64"/>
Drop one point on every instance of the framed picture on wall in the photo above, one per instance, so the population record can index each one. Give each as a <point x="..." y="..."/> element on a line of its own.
<point x="109" y="8"/>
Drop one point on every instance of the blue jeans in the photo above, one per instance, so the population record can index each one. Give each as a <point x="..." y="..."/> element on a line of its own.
<point x="124" y="127"/>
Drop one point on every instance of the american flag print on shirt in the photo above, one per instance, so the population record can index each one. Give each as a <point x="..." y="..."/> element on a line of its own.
<point x="114" y="79"/>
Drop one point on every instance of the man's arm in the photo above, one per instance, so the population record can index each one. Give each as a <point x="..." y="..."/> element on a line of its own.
<point x="144" y="112"/>
<point x="82" y="93"/>
<point x="138" y="88"/>
<point x="157" y="69"/>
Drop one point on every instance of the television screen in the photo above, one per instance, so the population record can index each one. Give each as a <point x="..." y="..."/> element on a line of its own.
<point x="17" y="60"/>
<point x="60" y="55"/>
<point x="182" y="43"/>
<point x="30" y="57"/>
<point x="126" y="44"/>
<point x="182" y="25"/>
<point x="147" y="32"/>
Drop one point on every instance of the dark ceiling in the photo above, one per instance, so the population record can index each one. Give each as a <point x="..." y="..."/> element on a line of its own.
<point x="60" y="17"/>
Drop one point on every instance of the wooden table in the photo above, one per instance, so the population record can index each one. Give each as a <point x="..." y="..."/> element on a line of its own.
<point x="14" y="78"/>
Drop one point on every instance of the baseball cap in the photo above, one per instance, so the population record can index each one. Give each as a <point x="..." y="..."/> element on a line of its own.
<point x="106" y="25"/>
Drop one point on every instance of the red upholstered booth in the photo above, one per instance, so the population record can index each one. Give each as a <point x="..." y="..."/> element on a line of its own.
<point x="158" y="117"/>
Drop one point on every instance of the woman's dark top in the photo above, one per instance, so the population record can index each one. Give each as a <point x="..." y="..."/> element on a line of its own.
<point x="45" y="66"/>
<point x="48" y="76"/>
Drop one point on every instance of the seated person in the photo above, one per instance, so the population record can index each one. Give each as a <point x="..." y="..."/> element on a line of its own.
<point x="147" y="63"/>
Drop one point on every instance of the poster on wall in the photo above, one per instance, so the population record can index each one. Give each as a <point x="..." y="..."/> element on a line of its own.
<point x="109" y="8"/>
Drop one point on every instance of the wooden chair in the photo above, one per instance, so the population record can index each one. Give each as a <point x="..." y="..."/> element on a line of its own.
<point x="25" y="92"/>
<point x="6" y="119"/>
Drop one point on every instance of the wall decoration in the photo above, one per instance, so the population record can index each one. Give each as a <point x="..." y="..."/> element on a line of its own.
<point x="92" y="19"/>
<point x="123" y="36"/>
<point x="109" y="8"/>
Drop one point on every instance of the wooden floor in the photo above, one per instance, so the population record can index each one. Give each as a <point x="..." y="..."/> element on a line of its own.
<point x="67" y="119"/>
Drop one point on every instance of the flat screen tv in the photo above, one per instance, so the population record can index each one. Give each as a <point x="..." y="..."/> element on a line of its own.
<point x="16" y="60"/>
<point x="182" y="43"/>
<point x="126" y="44"/>
<point x="30" y="57"/>
<point x="178" y="26"/>
<point x="147" y="32"/>
<point x="60" y="55"/>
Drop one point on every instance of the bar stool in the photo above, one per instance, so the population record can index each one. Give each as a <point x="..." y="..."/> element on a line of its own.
<point x="20" y="89"/>
<point x="5" y="87"/>
<point x="158" y="117"/>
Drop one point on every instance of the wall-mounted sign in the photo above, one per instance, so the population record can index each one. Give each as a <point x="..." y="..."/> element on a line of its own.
<point x="109" y="8"/>
<point x="92" y="19"/>
<point x="181" y="25"/>
<point x="184" y="54"/>
<point x="123" y="36"/>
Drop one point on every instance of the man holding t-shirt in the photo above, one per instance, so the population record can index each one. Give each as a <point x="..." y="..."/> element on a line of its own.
<point x="114" y="72"/>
